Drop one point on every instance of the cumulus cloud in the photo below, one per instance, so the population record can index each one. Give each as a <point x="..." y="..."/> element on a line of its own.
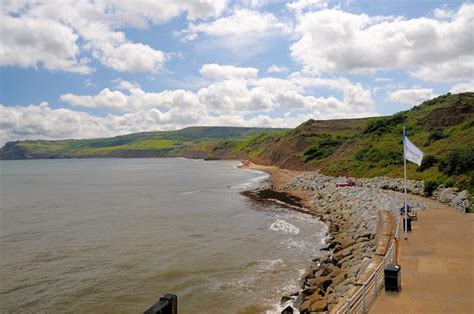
<point x="218" y="72"/>
<point x="27" y="28"/>
<point x="300" y="5"/>
<point x="42" y="122"/>
<point x="276" y="69"/>
<point x="332" y="40"/>
<point x="236" y="97"/>
<point x="235" y="90"/>
<point x="461" y="68"/>
<point x="244" y="28"/>
<point x="134" y="99"/>
<point x="412" y="96"/>
<point x="129" y="57"/>
<point x="463" y="87"/>
<point x="27" y="42"/>
<point x="256" y="4"/>
<point x="125" y="85"/>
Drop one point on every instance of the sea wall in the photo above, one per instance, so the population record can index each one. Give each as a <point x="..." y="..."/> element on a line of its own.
<point x="353" y="215"/>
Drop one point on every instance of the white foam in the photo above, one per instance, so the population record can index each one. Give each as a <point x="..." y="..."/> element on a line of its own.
<point x="277" y="309"/>
<point x="271" y="264"/>
<point x="285" y="227"/>
<point x="253" y="182"/>
<point x="190" y="192"/>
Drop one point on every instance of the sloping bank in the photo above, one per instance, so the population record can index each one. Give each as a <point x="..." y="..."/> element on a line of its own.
<point x="356" y="216"/>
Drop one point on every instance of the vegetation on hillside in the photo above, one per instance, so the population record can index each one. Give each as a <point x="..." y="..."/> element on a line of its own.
<point x="194" y="142"/>
<point x="442" y="127"/>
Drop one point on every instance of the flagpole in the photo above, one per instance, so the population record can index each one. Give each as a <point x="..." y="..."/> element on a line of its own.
<point x="405" y="170"/>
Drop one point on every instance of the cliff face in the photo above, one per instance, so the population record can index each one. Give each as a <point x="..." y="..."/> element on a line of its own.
<point x="12" y="150"/>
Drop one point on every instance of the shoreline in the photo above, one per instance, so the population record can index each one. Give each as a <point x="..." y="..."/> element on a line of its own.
<point x="351" y="248"/>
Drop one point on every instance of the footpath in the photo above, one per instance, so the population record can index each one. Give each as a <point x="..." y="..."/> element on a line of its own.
<point x="437" y="264"/>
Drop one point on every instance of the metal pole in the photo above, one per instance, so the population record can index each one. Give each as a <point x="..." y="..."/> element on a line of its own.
<point x="405" y="170"/>
<point x="396" y="250"/>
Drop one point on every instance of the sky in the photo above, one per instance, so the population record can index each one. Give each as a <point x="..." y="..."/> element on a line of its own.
<point x="86" y="68"/>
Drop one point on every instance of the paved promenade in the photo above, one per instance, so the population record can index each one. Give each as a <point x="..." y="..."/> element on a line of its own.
<point x="437" y="264"/>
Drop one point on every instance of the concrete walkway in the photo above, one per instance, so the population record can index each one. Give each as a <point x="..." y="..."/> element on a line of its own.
<point x="437" y="264"/>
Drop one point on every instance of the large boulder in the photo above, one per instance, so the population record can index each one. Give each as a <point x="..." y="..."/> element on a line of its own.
<point x="461" y="202"/>
<point x="447" y="195"/>
<point x="319" y="306"/>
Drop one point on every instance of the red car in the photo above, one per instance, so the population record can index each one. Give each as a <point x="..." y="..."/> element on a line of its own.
<point x="346" y="183"/>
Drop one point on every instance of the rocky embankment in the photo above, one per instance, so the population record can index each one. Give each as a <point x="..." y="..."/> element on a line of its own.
<point x="353" y="215"/>
<point x="459" y="199"/>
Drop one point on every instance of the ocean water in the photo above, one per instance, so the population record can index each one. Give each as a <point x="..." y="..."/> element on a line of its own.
<point x="113" y="235"/>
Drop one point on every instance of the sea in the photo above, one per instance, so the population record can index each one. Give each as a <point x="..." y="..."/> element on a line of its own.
<point x="114" y="235"/>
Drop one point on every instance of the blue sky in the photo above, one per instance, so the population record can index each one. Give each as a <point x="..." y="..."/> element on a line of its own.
<point x="102" y="68"/>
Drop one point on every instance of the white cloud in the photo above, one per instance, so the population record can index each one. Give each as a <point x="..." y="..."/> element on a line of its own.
<point x="276" y="69"/>
<point x="244" y="28"/>
<point x="139" y="13"/>
<point x="443" y="13"/>
<point x="129" y="57"/>
<point x="300" y="5"/>
<point x="107" y="99"/>
<point x="218" y="72"/>
<point x="463" y="87"/>
<point x="357" y="101"/>
<point x="125" y="85"/>
<point x="336" y="41"/>
<point x="240" y="101"/>
<point x="413" y="96"/>
<point x="257" y="4"/>
<point x="461" y="68"/>
<point x="26" y="42"/>
<point x="135" y="99"/>
<point x="57" y="34"/>
<point x="42" y="122"/>
<point x="237" y="90"/>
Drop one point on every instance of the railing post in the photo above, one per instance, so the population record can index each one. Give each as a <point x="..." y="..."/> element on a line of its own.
<point x="168" y="304"/>
<point x="364" y="305"/>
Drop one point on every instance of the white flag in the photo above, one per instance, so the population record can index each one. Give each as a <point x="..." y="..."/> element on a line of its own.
<point x="412" y="153"/>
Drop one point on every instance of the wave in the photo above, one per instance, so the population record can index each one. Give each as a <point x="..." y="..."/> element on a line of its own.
<point x="253" y="182"/>
<point x="190" y="192"/>
<point x="285" y="227"/>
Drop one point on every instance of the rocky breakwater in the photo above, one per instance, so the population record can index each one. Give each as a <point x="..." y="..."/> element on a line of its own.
<point x="459" y="199"/>
<point x="353" y="215"/>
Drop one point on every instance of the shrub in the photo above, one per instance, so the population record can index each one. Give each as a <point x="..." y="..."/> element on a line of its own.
<point x="323" y="147"/>
<point x="449" y="183"/>
<point x="458" y="161"/>
<point x="434" y="136"/>
<point x="360" y="154"/>
<point x="427" y="163"/>
<point x="429" y="188"/>
<point x="384" y="124"/>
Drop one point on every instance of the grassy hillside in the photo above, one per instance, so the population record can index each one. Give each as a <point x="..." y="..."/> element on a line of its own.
<point x="442" y="127"/>
<point x="196" y="142"/>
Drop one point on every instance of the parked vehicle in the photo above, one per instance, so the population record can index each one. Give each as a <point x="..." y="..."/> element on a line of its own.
<point x="347" y="182"/>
